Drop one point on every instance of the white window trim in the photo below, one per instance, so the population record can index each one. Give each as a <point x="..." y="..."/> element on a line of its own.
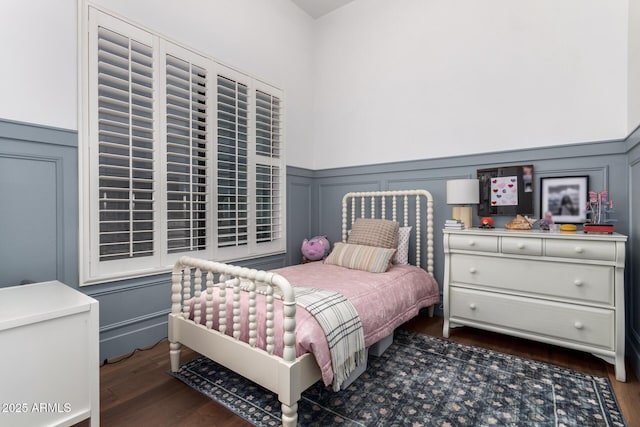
<point x="91" y="271"/>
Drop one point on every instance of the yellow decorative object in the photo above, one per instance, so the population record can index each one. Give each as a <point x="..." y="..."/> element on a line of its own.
<point x="568" y="227"/>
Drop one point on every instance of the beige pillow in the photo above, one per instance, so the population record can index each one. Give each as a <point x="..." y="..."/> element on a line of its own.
<point x="361" y="257"/>
<point x="382" y="233"/>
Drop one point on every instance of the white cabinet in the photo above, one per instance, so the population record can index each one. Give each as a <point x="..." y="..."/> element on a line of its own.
<point x="49" y="367"/>
<point x="562" y="289"/>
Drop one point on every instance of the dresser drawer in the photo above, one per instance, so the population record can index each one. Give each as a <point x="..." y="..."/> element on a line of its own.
<point x="521" y="246"/>
<point x="567" y="322"/>
<point x="579" y="282"/>
<point x="473" y="243"/>
<point x="605" y="251"/>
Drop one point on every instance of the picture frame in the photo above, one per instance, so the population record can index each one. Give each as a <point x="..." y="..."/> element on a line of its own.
<point x="565" y="198"/>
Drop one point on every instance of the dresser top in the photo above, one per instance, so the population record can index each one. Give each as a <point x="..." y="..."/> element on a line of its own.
<point x="579" y="234"/>
<point x="37" y="302"/>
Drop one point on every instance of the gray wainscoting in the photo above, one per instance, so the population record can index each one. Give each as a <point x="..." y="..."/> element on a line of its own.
<point x="39" y="217"/>
<point x="633" y="261"/>
<point x="38" y="204"/>
<point x="604" y="163"/>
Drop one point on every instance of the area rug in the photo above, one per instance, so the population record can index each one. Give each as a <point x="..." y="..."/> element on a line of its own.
<point x="426" y="381"/>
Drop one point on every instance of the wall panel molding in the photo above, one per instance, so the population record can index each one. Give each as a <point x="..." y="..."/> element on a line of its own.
<point x="135" y="321"/>
<point x="43" y="182"/>
<point x="19" y="131"/>
<point x="301" y="211"/>
<point x="633" y="260"/>
<point x="481" y="160"/>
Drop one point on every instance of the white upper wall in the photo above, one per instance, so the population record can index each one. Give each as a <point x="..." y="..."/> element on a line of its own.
<point x="38" y="76"/>
<point x="268" y="40"/>
<point x="378" y="80"/>
<point x="415" y="79"/>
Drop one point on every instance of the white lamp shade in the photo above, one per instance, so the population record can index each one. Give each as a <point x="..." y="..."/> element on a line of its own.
<point x="463" y="192"/>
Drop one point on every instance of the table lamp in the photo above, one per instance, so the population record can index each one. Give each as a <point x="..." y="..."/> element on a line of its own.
<point x="463" y="192"/>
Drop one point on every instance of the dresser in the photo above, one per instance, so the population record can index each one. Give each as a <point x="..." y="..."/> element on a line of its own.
<point x="50" y="360"/>
<point x="565" y="289"/>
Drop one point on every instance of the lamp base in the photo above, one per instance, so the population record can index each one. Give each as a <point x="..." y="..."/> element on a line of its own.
<point x="463" y="213"/>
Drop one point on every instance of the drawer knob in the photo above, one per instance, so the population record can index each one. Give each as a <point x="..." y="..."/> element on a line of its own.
<point x="472" y="243"/>
<point x="579" y="249"/>
<point x="472" y="270"/>
<point x="472" y="306"/>
<point x="520" y="245"/>
<point x="577" y="282"/>
<point x="578" y="325"/>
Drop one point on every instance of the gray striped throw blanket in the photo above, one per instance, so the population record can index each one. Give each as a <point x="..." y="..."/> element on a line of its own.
<point x="342" y="327"/>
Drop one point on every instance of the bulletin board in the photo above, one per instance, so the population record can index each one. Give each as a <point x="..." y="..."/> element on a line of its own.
<point x="506" y="190"/>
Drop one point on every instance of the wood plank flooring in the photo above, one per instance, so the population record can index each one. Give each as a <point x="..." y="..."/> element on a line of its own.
<point x="138" y="392"/>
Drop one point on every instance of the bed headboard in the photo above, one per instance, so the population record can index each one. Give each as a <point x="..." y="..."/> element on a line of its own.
<point x="403" y="206"/>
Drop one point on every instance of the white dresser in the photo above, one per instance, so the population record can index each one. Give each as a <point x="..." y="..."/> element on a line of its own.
<point x="560" y="288"/>
<point x="49" y="365"/>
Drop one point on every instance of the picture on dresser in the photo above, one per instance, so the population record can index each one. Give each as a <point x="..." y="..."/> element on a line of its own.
<point x="506" y="190"/>
<point x="565" y="198"/>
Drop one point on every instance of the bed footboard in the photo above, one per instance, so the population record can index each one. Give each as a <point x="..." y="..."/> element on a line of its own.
<point x="199" y="280"/>
<point x="222" y="278"/>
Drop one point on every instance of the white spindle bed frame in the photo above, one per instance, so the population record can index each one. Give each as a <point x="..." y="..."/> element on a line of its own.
<point x="287" y="376"/>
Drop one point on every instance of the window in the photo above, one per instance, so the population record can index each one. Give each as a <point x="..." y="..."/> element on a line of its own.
<point x="233" y="156"/>
<point x="186" y="155"/>
<point x="125" y="147"/>
<point x="268" y="138"/>
<point x="181" y="155"/>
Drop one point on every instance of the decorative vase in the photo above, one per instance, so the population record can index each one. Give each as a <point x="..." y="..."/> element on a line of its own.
<point x="599" y="208"/>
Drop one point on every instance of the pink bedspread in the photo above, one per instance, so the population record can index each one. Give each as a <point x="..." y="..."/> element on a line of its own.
<point x="383" y="301"/>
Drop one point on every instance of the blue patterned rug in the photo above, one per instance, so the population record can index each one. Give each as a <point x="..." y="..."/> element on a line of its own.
<point x="426" y="381"/>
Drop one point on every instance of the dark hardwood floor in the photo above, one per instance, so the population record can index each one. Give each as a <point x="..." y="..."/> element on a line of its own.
<point x="137" y="391"/>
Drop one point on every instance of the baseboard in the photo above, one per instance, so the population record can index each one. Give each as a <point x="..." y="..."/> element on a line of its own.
<point x="134" y="336"/>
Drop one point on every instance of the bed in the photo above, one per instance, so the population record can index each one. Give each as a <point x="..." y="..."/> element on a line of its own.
<point x="289" y="328"/>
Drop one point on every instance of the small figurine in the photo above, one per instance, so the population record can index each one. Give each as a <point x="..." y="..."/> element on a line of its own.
<point x="486" y="222"/>
<point x="546" y="222"/>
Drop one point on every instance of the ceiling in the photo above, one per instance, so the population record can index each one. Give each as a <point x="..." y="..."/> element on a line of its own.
<point x="319" y="8"/>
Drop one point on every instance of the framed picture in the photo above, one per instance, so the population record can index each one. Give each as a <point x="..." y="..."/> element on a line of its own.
<point x="565" y="198"/>
<point x="506" y="190"/>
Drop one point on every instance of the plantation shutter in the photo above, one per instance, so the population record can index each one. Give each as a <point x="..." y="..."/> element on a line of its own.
<point x="126" y="137"/>
<point x="232" y="173"/>
<point x="268" y="168"/>
<point x="179" y="154"/>
<point x="186" y="148"/>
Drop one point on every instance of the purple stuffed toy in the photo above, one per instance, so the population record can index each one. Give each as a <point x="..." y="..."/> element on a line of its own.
<point x="316" y="248"/>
